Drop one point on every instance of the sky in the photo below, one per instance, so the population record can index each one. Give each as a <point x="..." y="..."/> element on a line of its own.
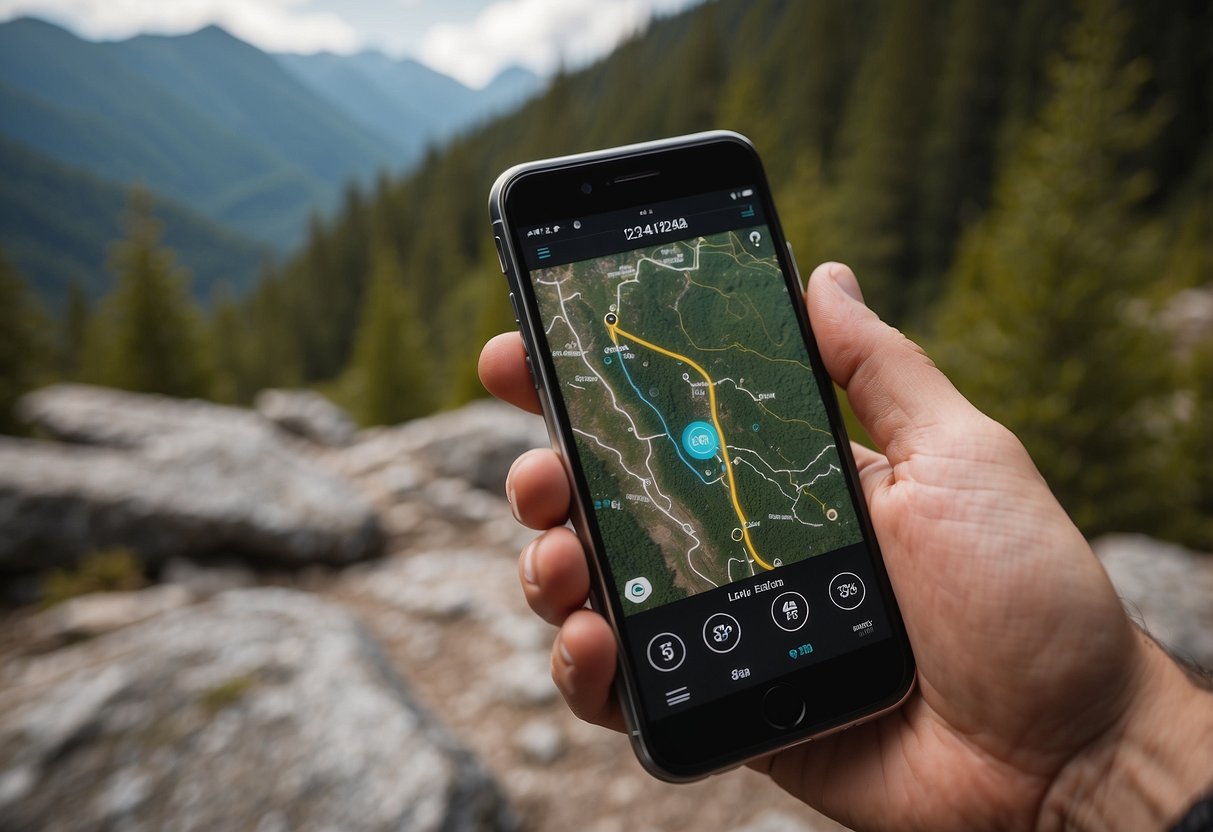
<point x="471" y="40"/>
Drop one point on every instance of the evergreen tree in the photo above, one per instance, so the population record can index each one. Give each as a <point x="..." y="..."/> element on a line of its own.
<point x="958" y="151"/>
<point x="390" y="377"/>
<point x="76" y="315"/>
<point x="24" y="352"/>
<point x="1036" y="327"/>
<point x="147" y="334"/>
<point x="877" y="176"/>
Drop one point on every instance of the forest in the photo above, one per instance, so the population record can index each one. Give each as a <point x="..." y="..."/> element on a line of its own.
<point x="1025" y="188"/>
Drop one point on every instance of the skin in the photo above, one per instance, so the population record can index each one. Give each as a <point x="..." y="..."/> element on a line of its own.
<point x="1039" y="704"/>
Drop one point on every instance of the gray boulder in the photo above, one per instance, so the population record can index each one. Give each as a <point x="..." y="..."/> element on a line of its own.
<point x="1168" y="589"/>
<point x="120" y="419"/>
<point x="307" y="414"/>
<point x="260" y="709"/>
<point x="476" y="444"/>
<point x="193" y="493"/>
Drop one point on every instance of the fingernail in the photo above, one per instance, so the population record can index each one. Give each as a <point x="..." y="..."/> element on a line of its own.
<point x="564" y="653"/>
<point x="528" y="563"/>
<point x="844" y="278"/>
<point x="512" y="498"/>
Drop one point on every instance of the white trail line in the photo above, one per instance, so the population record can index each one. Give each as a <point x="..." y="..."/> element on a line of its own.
<point x="651" y="481"/>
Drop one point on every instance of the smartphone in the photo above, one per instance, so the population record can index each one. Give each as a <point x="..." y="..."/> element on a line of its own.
<point x="713" y="482"/>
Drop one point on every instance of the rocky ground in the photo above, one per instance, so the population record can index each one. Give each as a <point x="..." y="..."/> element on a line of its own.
<point x="253" y="686"/>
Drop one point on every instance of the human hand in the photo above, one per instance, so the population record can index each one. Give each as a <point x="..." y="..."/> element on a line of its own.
<point x="1036" y="694"/>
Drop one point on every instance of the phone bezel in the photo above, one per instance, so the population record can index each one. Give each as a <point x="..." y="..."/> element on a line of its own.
<point x="861" y="684"/>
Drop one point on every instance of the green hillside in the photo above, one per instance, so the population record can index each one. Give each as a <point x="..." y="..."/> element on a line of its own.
<point x="894" y="134"/>
<point x="57" y="225"/>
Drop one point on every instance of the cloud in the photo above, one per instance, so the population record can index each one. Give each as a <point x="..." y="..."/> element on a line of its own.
<point x="538" y="34"/>
<point x="273" y="25"/>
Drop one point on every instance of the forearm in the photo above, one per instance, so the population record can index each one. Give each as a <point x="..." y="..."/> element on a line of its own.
<point x="1146" y="771"/>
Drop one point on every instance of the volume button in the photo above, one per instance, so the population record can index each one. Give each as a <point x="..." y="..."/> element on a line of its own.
<point x="795" y="266"/>
<point x="514" y="306"/>
<point x="500" y="254"/>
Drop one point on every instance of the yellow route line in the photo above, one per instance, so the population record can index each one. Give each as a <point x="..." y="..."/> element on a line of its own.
<point x="615" y="331"/>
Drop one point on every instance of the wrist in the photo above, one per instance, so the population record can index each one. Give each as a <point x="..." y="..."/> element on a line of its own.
<point x="1149" y="767"/>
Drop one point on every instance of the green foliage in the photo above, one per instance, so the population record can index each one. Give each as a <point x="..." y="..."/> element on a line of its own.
<point x="107" y="570"/>
<point x="147" y="334"/>
<point x="1036" y="327"/>
<point x="389" y="378"/>
<point x="227" y="693"/>
<point x="25" y="354"/>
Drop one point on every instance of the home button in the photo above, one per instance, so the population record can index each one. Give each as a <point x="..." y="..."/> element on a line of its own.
<point x="783" y="707"/>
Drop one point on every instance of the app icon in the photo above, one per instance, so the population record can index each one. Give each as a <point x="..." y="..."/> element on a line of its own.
<point x="790" y="611"/>
<point x="847" y="591"/>
<point x="721" y="632"/>
<point x="637" y="590"/>
<point x="666" y="652"/>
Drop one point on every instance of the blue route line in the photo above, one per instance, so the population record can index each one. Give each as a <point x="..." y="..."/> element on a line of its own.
<point x="623" y="365"/>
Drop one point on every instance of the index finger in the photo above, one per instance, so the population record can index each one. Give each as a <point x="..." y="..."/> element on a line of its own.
<point x="504" y="372"/>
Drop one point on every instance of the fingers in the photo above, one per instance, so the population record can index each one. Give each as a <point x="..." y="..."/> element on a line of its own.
<point x="894" y="389"/>
<point x="538" y="489"/>
<point x="874" y="469"/>
<point x="504" y="372"/>
<point x="583" y="667"/>
<point x="555" y="576"/>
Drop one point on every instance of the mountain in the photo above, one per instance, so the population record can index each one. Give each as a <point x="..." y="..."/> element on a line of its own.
<point x="404" y="99"/>
<point x="241" y="148"/>
<point x="57" y="224"/>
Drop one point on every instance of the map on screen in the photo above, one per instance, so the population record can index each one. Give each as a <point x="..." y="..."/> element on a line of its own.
<point x="699" y="426"/>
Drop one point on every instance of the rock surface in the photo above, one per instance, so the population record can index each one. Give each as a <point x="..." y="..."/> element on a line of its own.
<point x="307" y="414"/>
<point x="95" y="614"/>
<point x="192" y="493"/>
<point x="118" y="419"/>
<point x="265" y="709"/>
<point x="1167" y="589"/>
<point x="475" y="444"/>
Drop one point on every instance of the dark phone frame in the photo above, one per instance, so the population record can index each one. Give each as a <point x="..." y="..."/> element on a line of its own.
<point x="840" y="692"/>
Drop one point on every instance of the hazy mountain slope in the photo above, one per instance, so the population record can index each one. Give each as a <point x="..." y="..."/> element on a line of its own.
<point x="404" y="99"/>
<point x="57" y="223"/>
<point x="250" y="94"/>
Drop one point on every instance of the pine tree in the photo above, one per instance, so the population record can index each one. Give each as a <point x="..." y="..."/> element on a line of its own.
<point x="24" y="352"/>
<point x="881" y="148"/>
<point x="1036" y="327"/>
<point x="147" y="334"/>
<point x="390" y="377"/>
<point x="76" y="315"/>
<point x="958" y="151"/>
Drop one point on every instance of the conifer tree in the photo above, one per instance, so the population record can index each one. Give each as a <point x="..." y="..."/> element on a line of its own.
<point x="76" y="315"/>
<point x="390" y="377"/>
<point x="147" y="334"/>
<point x="881" y="139"/>
<point x="1036" y="327"/>
<point x="24" y="351"/>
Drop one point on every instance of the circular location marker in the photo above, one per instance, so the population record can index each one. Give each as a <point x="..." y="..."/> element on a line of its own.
<point x="755" y="427"/>
<point x="737" y="534"/>
<point x="611" y="319"/>
<point x="700" y="440"/>
<point x="606" y="360"/>
<point x="832" y="514"/>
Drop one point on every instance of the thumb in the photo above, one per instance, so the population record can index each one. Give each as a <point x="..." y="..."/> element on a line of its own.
<point x="894" y="388"/>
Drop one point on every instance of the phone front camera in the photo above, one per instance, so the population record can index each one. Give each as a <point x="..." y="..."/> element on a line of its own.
<point x="586" y="188"/>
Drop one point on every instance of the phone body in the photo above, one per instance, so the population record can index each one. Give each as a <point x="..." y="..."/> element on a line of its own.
<point x="713" y="484"/>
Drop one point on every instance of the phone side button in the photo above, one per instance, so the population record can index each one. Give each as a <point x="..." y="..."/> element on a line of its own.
<point x="514" y="306"/>
<point x="530" y="370"/>
<point x="783" y="707"/>
<point x="500" y="253"/>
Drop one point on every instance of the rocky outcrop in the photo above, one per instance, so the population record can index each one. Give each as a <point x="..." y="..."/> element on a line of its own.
<point x="260" y="709"/>
<point x="307" y="414"/>
<point x="179" y="495"/>
<point x="168" y="478"/>
<point x="475" y="444"/>
<point x="1167" y="589"/>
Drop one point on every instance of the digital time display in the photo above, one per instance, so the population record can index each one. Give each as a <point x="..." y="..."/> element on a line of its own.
<point x="649" y="229"/>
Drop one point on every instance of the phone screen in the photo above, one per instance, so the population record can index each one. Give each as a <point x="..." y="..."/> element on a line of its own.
<point x="714" y="480"/>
